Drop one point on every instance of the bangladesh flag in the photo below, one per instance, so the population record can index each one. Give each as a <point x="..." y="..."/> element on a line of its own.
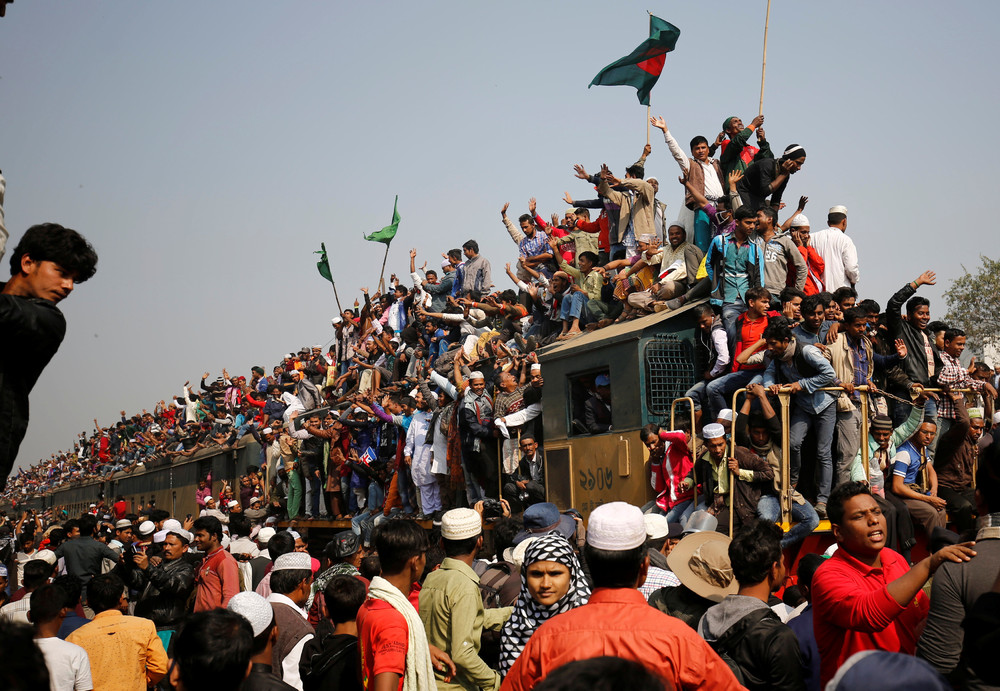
<point x="323" y="264"/>
<point x="642" y="67"/>
<point x="389" y="232"/>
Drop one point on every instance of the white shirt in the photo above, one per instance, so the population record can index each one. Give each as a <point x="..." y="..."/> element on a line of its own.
<point x="290" y="665"/>
<point x="841" y="257"/>
<point x="68" y="665"/>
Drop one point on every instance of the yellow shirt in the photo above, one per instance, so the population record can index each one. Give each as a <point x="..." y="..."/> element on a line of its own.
<point x="125" y="652"/>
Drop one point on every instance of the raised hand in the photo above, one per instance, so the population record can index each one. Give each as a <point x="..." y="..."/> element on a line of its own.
<point x="568" y="199"/>
<point x="659" y="123"/>
<point x="734" y="177"/>
<point x="413" y="254"/>
<point x="900" y="348"/>
<point x="760" y="134"/>
<point x="580" y="172"/>
<point x="532" y="205"/>
<point x="757" y="121"/>
<point x="802" y="203"/>
<point x="721" y="137"/>
<point x="646" y="150"/>
<point x="503" y="214"/>
<point x="927" y="278"/>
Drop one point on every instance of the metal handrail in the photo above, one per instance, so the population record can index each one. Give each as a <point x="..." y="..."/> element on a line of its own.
<point x="694" y="442"/>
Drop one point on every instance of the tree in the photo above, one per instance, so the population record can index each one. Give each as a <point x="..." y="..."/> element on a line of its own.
<point x="974" y="304"/>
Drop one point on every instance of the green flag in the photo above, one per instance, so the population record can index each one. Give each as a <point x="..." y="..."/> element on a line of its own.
<point x="323" y="264"/>
<point x="642" y="67"/>
<point x="389" y="232"/>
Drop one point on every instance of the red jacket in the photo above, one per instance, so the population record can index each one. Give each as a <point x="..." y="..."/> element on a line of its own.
<point x="667" y="478"/>
<point x="853" y="610"/>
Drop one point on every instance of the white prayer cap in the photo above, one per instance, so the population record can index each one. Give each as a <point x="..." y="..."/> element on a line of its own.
<point x="461" y="524"/>
<point x="172" y="524"/>
<point x="293" y="561"/>
<point x="725" y="414"/>
<point x="254" y="608"/>
<point x="838" y="209"/>
<point x="146" y="528"/>
<point x="996" y="418"/>
<point x="656" y="526"/>
<point x="336" y="320"/>
<point x="265" y="534"/>
<point x="295" y="535"/>
<point x="476" y="374"/>
<point x="477" y="314"/>
<point x="799" y="220"/>
<point x="126" y="523"/>
<point x="233" y="504"/>
<point x="225" y="541"/>
<point x="445" y="264"/>
<point x="46" y="555"/>
<point x="517" y="553"/>
<point x="713" y="431"/>
<point x="616" y="527"/>
<point x="651" y="178"/>
<point x="158" y="536"/>
<point x="254" y="499"/>
<point x="536" y="367"/>
<point x="267" y="430"/>
<point x="647" y="238"/>
<point x="184" y="535"/>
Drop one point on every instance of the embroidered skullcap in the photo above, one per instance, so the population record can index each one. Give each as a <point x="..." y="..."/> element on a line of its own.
<point x="616" y="527"/>
<point x="46" y="555"/>
<point x="461" y="524"/>
<point x="838" y="210"/>
<point x="476" y="374"/>
<point x="265" y="534"/>
<point x="799" y="220"/>
<point x="3" y="571"/>
<point x="563" y="275"/>
<point x="881" y="423"/>
<point x="647" y="238"/>
<point x="725" y="414"/>
<point x="975" y="413"/>
<point x="656" y="526"/>
<point x="293" y="561"/>
<point x="254" y="608"/>
<point x="147" y="528"/>
<point x="536" y="367"/>
<point x="254" y="499"/>
<point x="713" y="431"/>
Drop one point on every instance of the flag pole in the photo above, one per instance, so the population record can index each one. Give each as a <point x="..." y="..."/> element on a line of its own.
<point x="381" y="277"/>
<point x="647" y="125"/>
<point x="763" y="67"/>
<point x="340" y="309"/>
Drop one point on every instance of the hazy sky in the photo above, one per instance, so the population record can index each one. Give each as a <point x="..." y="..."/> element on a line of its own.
<point x="206" y="149"/>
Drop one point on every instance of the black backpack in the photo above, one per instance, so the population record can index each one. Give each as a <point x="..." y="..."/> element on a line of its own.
<point x="731" y="639"/>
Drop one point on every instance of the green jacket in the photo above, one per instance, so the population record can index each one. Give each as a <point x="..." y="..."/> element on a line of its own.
<point x="451" y="609"/>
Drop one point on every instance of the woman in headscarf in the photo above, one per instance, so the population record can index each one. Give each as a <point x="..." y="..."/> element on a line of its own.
<point x="552" y="582"/>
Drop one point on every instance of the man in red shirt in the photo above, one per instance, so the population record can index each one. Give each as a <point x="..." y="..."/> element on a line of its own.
<point x="218" y="576"/>
<point x="617" y="621"/>
<point x="390" y="613"/>
<point x="866" y="597"/>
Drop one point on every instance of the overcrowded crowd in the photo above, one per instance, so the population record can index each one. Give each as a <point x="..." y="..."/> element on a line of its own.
<point x="428" y="406"/>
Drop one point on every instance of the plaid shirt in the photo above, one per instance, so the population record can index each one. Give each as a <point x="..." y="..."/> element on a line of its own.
<point x="955" y="376"/>
<point x="657" y="578"/>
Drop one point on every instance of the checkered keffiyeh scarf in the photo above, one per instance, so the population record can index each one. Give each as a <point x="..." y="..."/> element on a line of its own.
<point x="528" y="614"/>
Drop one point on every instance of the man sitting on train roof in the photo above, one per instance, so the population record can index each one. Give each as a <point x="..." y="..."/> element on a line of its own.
<point x="712" y="472"/>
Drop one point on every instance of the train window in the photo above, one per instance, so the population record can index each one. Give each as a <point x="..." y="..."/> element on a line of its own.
<point x="670" y="371"/>
<point x="590" y="402"/>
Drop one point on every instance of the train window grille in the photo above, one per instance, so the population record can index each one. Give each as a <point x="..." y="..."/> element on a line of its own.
<point x="670" y="371"/>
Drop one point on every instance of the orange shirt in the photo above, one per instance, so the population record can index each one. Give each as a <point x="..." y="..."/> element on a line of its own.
<point x="218" y="580"/>
<point x="619" y="622"/>
<point x="125" y="652"/>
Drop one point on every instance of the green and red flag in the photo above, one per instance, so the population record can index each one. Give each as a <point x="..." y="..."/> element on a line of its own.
<point x="389" y="232"/>
<point x="642" y="67"/>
